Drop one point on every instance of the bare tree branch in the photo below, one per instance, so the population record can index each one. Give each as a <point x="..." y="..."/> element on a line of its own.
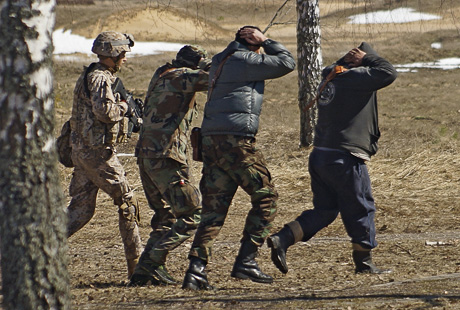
<point x="271" y="23"/>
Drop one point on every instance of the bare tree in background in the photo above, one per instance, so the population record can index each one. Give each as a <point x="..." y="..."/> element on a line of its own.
<point x="309" y="61"/>
<point x="33" y="219"/>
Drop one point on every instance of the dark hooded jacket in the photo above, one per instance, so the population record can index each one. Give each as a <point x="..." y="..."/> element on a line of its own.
<point x="236" y="101"/>
<point x="347" y="107"/>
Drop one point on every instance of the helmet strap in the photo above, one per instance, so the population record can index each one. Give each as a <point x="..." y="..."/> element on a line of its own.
<point x="110" y="63"/>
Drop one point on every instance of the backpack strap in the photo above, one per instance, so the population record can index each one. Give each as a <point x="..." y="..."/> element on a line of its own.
<point x="85" y="78"/>
<point x="217" y="74"/>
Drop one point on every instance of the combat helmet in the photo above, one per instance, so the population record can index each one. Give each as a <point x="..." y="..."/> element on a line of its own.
<point x="190" y="55"/>
<point x="112" y="43"/>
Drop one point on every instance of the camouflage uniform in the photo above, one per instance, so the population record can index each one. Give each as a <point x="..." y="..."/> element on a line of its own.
<point x="162" y="159"/>
<point x="228" y="162"/>
<point x="96" y="125"/>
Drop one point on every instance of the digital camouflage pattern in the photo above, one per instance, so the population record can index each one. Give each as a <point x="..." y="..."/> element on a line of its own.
<point x="97" y="124"/>
<point x="112" y="43"/>
<point x="169" y="109"/>
<point x="228" y="162"/>
<point x="102" y="170"/>
<point x="97" y="121"/>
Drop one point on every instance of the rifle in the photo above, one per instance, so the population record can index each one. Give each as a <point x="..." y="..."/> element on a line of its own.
<point x="135" y="107"/>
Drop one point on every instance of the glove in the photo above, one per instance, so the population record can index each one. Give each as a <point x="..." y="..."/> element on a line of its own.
<point x="129" y="111"/>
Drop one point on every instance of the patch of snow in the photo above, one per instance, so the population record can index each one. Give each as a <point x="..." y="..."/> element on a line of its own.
<point x="444" y="64"/>
<point x="436" y="45"/>
<point x="396" y="16"/>
<point x="67" y="43"/>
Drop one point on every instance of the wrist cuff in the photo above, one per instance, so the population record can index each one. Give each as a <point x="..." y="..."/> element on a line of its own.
<point x="266" y="42"/>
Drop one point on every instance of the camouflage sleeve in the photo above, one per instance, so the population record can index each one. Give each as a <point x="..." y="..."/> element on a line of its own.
<point x="106" y="107"/>
<point x="195" y="80"/>
<point x="205" y="64"/>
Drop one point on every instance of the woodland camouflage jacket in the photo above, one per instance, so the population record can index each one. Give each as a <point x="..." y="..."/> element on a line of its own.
<point x="96" y="119"/>
<point x="169" y="109"/>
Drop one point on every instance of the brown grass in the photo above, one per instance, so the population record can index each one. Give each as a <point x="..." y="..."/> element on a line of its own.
<point x="415" y="175"/>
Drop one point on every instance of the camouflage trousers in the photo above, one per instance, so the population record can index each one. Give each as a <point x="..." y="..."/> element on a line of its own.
<point x="176" y="203"/>
<point x="101" y="169"/>
<point x="228" y="162"/>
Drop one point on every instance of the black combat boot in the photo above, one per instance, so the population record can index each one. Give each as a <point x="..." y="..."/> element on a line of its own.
<point x="196" y="278"/>
<point x="279" y="244"/>
<point x="149" y="273"/>
<point x="246" y="267"/>
<point x="363" y="263"/>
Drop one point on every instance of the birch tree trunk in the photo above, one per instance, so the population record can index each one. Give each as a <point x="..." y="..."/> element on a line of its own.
<point x="33" y="220"/>
<point x="309" y="65"/>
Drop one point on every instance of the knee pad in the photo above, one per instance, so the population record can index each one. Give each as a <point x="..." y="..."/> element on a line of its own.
<point x="130" y="210"/>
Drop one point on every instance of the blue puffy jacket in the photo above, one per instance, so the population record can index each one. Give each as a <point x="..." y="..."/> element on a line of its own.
<point x="236" y="101"/>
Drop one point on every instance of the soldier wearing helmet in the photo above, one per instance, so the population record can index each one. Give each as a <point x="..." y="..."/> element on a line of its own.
<point x="111" y="48"/>
<point x="162" y="158"/>
<point x="97" y="125"/>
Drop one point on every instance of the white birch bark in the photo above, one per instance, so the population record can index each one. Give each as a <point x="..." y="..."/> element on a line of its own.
<point x="309" y="64"/>
<point x="33" y="221"/>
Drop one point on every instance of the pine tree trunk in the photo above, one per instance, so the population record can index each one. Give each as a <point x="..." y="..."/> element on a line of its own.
<point x="33" y="220"/>
<point x="309" y="65"/>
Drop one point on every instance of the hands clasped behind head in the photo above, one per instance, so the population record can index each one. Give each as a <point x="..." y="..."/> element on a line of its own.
<point x="250" y="35"/>
<point x="354" y="58"/>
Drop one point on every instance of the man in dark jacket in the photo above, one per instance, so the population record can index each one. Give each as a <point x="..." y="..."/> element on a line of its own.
<point x="230" y="156"/>
<point x="345" y="137"/>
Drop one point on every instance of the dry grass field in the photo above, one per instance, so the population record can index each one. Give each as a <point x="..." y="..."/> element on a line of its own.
<point x="415" y="175"/>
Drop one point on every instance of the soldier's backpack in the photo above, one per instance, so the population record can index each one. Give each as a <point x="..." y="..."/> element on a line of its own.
<point x="64" y="148"/>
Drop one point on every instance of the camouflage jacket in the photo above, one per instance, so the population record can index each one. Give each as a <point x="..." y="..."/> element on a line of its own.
<point x="169" y="109"/>
<point x="97" y="118"/>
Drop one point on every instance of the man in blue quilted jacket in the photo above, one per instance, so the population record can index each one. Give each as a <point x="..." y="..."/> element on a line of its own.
<point x="230" y="157"/>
